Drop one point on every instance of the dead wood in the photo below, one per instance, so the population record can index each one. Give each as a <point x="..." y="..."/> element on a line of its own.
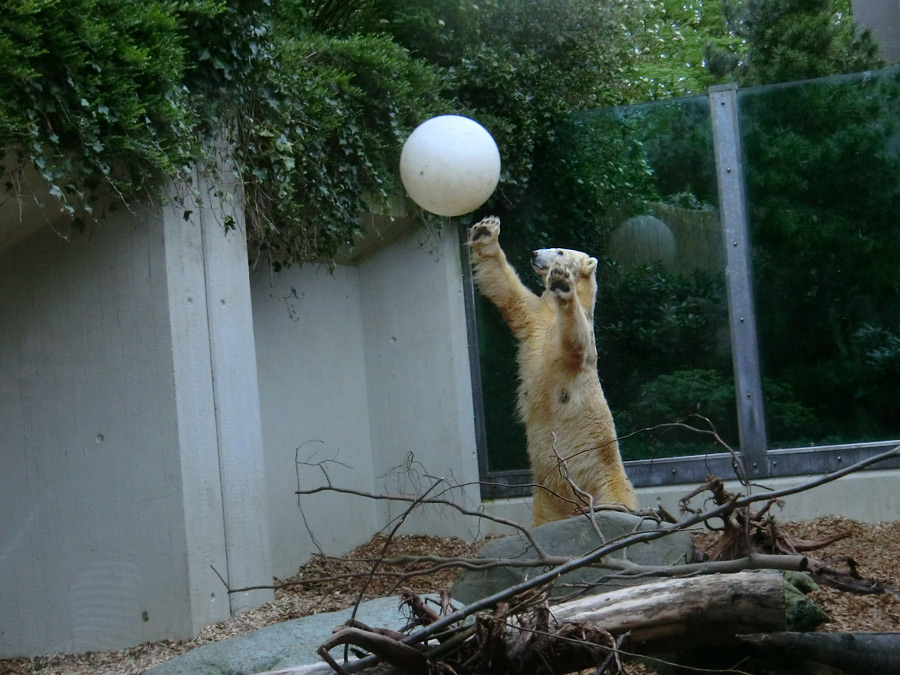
<point x="423" y="614"/>
<point x="745" y="532"/>
<point x="670" y="613"/>
<point x="852" y="653"/>
<point x="407" y="659"/>
<point x="664" y="616"/>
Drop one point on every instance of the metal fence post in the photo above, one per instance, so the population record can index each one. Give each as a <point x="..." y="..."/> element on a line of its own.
<point x="738" y="275"/>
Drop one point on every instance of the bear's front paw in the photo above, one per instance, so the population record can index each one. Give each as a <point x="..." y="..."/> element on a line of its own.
<point x="561" y="282"/>
<point x="485" y="232"/>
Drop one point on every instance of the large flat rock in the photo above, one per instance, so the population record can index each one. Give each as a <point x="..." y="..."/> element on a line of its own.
<point x="284" y="645"/>
<point x="573" y="537"/>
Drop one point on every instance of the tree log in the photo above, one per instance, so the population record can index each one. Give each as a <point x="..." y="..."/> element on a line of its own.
<point x="681" y="612"/>
<point x="853" y="653"/>
<point x="663" y="616"/>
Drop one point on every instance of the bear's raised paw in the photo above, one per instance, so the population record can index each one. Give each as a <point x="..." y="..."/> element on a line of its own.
<point x="561" y="281"/>
<point x="486" y="231"/>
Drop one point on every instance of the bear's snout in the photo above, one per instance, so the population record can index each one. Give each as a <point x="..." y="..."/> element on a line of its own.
<point x="544" y="257"/>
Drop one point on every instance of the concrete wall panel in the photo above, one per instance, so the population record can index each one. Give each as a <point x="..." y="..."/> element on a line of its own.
<point x="90" y="482"/>
<point x="237" y="414"/>
<point x="130" y="440"/>
<point x="312" y="375"/>
<point x="417" y="363"/>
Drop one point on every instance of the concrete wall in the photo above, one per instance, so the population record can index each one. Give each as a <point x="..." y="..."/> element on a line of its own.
<point x="418" y="379"/>
<point x="361" y="370"/>
<point x="86" y="392"/>
<point x="153" y="428"/>
<point x="312" y="385"/>
<point x="130" y="443"/>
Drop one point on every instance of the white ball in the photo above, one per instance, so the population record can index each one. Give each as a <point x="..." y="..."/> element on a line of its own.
<point x="450" y="165"/>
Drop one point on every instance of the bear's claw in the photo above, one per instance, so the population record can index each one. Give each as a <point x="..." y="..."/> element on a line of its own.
<point x="485" y="231"/>
<point x="560" y="281"/>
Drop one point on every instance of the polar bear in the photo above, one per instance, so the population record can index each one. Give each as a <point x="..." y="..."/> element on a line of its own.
<point x="570" y="433"/>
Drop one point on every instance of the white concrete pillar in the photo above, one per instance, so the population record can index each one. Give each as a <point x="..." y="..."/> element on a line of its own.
<point x="130" y="443"/>
<point x="235" y="390"/>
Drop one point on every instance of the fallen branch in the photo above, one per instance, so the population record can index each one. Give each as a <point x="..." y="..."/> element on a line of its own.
<point x="669" y="614"/>
<point x="638" y="537"/>
<point x="659" y="617"/>
<point x="854" y="653"/>
<point x="419" y="640"/>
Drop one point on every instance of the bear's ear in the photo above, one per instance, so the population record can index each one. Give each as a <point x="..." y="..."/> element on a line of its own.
<point x="589" y="267"/>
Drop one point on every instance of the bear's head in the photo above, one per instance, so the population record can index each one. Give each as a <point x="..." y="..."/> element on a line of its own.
<point x="582" y="266"/>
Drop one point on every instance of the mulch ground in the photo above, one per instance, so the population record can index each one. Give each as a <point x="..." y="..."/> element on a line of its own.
<point x="328" y="584"/>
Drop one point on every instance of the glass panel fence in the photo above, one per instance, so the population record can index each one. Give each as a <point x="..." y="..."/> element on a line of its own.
<point x="822" y="164"/>
<point x="635" y="187"/>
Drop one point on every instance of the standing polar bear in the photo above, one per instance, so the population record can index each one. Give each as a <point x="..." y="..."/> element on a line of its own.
<point x="568" y="425"/>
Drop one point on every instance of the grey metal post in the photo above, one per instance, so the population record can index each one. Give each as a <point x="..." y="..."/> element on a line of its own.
<point x="474" y="355"/>
<point x="738" y="275"/>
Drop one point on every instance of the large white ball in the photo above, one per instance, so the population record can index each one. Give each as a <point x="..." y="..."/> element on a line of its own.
<point x="450" y="165"/>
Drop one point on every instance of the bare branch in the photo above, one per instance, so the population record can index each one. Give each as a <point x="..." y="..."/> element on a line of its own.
<point x="563" y="468"/>
<point x="639" y="537"/>
<point x="436" y="501"/>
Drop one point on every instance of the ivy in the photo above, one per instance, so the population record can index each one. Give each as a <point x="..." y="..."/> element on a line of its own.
<point x="111" y="101"/>
<point x="324" y="132"/>
<point x="306" y="102"/>
<point x="91" y="95"/>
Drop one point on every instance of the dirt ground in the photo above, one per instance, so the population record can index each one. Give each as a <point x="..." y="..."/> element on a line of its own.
<point x="875" y="548"/>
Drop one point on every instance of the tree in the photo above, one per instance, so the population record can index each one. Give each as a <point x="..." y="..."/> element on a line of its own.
<point x="802" y="39"/>
<point x="823" y="188"/>
<point x="686" y="47"/>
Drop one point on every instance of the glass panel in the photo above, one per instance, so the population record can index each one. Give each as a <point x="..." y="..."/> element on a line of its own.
<point x="636" y="188"/>
<point x="822" y="161"/>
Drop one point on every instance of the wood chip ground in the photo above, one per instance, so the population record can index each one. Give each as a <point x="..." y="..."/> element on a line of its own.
<point x="875" y="548"/>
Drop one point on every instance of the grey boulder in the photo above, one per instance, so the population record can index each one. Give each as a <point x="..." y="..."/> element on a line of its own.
<point x="284" y="645"/>
<point x="573" y="537"/>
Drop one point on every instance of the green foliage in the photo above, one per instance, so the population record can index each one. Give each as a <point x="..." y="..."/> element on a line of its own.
<point x="497" y="350"/>
<point x="91" y="95"/>
<point x="306" y="101"/>
<point x="824" y="191"/>
<point x="686" y="47"/>
<point x="678" y="148"/>
<point x="518" y="65"/>
<point x="683" y="396"/>
<point x="802" y="39"/>
<point x="322" y="132"/>
<point x="823" y="181"/>
<point x="657" y="331"/>
<point x="597" y="164"/>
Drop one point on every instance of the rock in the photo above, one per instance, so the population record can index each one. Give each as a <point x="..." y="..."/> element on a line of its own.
<point x="572" y="537"/>
<point x="284" y="645"/>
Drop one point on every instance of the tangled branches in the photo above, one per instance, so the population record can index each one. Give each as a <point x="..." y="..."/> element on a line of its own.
<point x="518" y="630"/>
